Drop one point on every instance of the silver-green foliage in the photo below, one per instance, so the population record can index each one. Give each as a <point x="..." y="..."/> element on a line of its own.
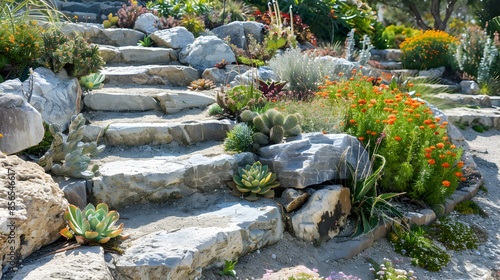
<point x="92" y="81"/>
<point x="68" y="155"/>
<point x="239" y="139"/>
<point x="255" y="180"/>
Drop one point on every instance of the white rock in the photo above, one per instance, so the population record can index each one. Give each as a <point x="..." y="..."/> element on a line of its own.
<point x="80" y="263"/>
<point x="20" y="124"/>
<point x="146" y="23"/>
<point x="205" y="52"/>
<point x="323" y="215"/>
<point x="39" y="205"/>
<point x="175" y="38"/>
<point x="469" y="87"/>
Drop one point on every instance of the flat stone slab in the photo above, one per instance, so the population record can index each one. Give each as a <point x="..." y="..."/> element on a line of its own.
<point x="488" y="117"/>
<point x="81" y="263"/>
<point x="170" y="75"/>
<point x="110" y="101"/>
<point x="466" y="99"/>
<point x="138" y="55"/>
<point x="109" y="36"/>
<point x="130" y="181"/>
<point x="152" y="127"/>
<point x="225" y="231"/>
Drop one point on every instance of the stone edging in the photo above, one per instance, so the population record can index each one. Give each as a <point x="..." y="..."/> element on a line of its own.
<point x="352" y="247"/>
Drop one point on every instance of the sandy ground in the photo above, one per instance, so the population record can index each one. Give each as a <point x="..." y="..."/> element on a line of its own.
<point x="482" y="263"/>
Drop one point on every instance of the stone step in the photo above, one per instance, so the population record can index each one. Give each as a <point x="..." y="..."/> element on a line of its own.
<point x="160" y="173"/>
<point x="177" y="243"/>
<point x="169" y="75"/>
<point x="459" y="99"/>
<point x="96" y="34"/>
<point x="138" y="55"/>
<point x="143" y="98"/>
<point x="487" y="117"/>
<point x="153" y="127"/>
<point x="390" y="65"/>
<point x="170" y="241"/>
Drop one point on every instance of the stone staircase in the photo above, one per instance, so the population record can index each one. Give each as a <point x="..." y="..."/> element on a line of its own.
<point x="165" y="171"/>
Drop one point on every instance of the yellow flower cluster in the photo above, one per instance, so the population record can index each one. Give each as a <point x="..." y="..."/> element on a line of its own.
<point x="429" y="49"/>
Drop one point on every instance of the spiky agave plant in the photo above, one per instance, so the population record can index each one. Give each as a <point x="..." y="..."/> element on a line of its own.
<point x="255" y="179"/>
<point x="95" y="224"/>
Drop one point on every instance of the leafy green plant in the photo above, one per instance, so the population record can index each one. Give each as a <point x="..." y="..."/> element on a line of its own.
<point x="179" y="8"/>
<point x="146" y="42"/>
<point x="78" y="57"/>
<point x="430" y="49"/>
<point x="454" y="235"/>
<point x="393" y="35"/>
<point x="239" y="139"/>
<point x="387" y="271"/>
<point x="92" y="81"/>
<point x="228" y="269"/>
<point x="414" y="244"/>
<point x="369" y="207"/>
<point x="278" y="36"/>
<point x="255" y="180"/>
<point x="193" y="23"/>
<point x="93" y="225"/>
<point x="26" y="10"/>
<point x="468" y="207"/>
<point x="240" y="97"/>
<point x="20" y="46"/>
<point x="214" y="110"/>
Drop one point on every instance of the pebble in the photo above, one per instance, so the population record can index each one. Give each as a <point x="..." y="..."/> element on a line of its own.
<point x="273" y="256"/>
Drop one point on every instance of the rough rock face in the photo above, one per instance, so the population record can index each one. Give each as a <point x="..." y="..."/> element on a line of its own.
<point x="314" y="158"/>
<point x="146" y="23"/>
<point x="20" y="124"/>
<point x="175" y="38"/>
<point x="239" y="32"/>
<point x="469" y="87"/>
<point x="56" y="96"/>
<point x="37" y="213"/>
<point x="109" y="36"/>
<point x="323" y="215"/>
<point x="205" y="52"/>
<point x="263" y="73"/>
<point x="80" y="263"/>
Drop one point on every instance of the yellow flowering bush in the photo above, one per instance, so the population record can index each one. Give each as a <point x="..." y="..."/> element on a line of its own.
<point x="20" y="45"/>
<point x="429" y="49"/>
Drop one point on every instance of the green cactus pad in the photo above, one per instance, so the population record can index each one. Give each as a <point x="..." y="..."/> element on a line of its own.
<point x="260" y="138"/>
<point x="247" y="116"/>
<point x="260" y="124"/>
<point x="276" y="134"/>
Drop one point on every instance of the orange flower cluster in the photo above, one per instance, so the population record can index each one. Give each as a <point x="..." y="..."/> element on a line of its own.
<point x="404" y="131"/>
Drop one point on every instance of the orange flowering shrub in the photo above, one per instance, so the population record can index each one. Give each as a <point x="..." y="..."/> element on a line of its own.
<point x="429" y="49"/>
<point x="420" y="159"/>
<point x="20" y="45"/>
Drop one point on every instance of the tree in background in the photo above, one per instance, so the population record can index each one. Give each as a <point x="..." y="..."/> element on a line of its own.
<point x="440" y="11"/>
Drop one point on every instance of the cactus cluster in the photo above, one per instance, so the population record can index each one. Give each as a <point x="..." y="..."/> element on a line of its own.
<point x="272" y="126"/>
<point x="255" y="180"/>
<point x="112" y="21"/>
<point x="94" y="225"/>
<point x="69" y="156"/>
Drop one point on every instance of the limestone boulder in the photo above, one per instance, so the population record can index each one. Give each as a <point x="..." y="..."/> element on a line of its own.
<point x="313" y="158"/>
<point x="224" y="76"/>
<point x="56" y="96"/>
<point x="147" y="23"/>
<point x="20" y="124"/>
<point x="240" y="31"/>
<point x="175" y="38"/>
<point x="469" y="87"/>
<point x="324" y="214"/>
<point x="263" y="73"/>
<point x="81" y="263"/>
<point x="30" y="212"/>
<point x="205" y="52"/>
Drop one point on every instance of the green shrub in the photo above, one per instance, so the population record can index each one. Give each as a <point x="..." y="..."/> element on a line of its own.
<point x="414" y="244"/>
<point x="20" y="46"/>
<point x="393" y="35"/>
<point x="78" y="57"/>
<point x="193" y="23"/>
<point x="239" y="139"/>
<point x="420" y="159"/>
<point x="454" y="235"/>
<point x="429" y="49"/>
<point x="179" y="8"/>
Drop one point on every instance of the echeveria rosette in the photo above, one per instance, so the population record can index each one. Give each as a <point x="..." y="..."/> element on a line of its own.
<point x="255" y="180"/>
<point x="95" y="224"/>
